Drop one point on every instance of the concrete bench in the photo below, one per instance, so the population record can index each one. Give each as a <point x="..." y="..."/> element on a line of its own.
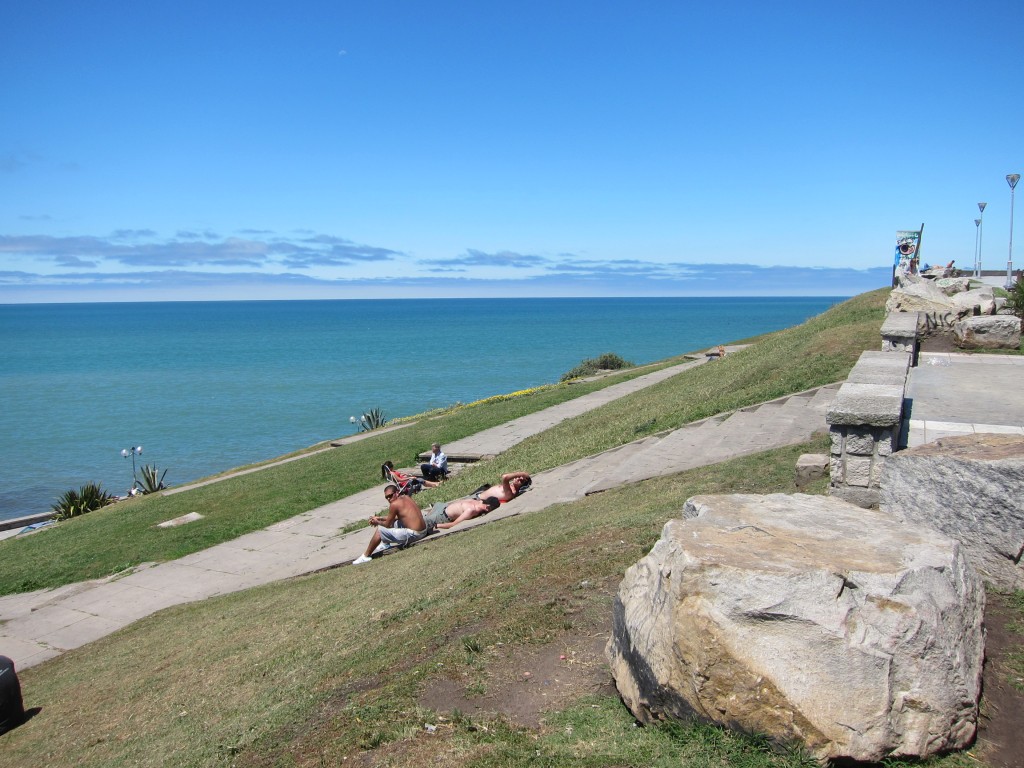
<point x="899" y="332"/>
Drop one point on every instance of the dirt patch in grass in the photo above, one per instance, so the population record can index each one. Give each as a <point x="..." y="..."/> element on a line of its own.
<point x="945" y="342"/>
<point x="1000" y="741"/>
<point x="526" y="681"/>
<point x="939" y="342"/>
<point x="519" y="682"/>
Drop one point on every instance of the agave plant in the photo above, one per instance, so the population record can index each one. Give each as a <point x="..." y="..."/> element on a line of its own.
<point x="89" y="497"/>
<point x="373" y="419"/>
<point x="150" y="482"/>
<point x="1016" y="297"/>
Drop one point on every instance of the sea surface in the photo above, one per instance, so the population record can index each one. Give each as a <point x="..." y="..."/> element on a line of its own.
<point x="207" y="386"/>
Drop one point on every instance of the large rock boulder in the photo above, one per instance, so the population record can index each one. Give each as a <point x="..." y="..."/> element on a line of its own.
<point x="807" y="619"/>
<point x="971" y="488"/>
<point x="953" y="285"/>
<point x="921" y="297"/>
<point x="987" y="332"/>
<point x="904" y="279"/>
<point x="979" y="301"/>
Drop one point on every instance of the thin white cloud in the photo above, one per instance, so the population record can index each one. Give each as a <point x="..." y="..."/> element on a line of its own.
<point x="132" y="234"/>
<point x="131" y="263"/>
<point x="142" y="248"/>
<point x="475" y="258"/>
<point x="191" y="235"/>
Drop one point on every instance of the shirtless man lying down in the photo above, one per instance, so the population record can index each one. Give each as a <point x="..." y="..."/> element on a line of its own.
<point x="448" y="514"/>
<point x="510" y="486"/>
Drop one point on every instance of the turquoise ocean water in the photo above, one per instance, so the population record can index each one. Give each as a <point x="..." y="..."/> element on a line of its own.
<point x="207" y="386"/>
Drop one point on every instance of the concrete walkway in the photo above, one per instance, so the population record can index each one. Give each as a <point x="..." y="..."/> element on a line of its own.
<point x="955" y="394"/>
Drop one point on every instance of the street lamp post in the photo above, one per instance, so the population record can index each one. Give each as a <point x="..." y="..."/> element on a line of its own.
<point x="1011" y="179"/>
<point x="977" y="246"/>
<point x="135" y="450"/>
<point x="981" y="233"/>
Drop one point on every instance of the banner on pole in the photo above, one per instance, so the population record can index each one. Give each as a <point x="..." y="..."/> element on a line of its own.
<point x="906" y="261"/>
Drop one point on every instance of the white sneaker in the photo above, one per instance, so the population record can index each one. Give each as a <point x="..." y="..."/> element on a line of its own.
<point x="362" y="559"/>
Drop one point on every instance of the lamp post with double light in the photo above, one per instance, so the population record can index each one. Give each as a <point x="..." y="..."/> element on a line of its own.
<point x="979" y="223"/>
<point x="135" y="450"/>
<point x="977" y="245"/>
<point x="1011" y="179"/>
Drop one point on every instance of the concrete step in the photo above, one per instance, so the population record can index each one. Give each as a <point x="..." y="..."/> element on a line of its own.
<point x="616" y="463"/>
<point x="741" y="420"/>
<point x="676" y="452"/>
<point x="824" y="396"/>
<point x="786" y="427"/>
<point x="797" y="403"/>
<point x="817" y="404"/>
<point x="751" y="430"/>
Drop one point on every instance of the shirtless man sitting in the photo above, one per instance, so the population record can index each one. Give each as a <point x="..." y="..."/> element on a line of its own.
<point x="511" y="485"/>
<point x="448" y="514"/>
<point x="412" y="527"/>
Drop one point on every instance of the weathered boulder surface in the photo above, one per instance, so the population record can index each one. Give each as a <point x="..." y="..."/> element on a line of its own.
<point x="937" y="273"/>
<point x="979" y="301"/>
<point x="921" y="297"/>
<point x="971" y="488"/>
<point x="953" y="285"/>
<point x="804" y="618"/>
<point x="904" y="279"/>
<point x="987" y="332"/>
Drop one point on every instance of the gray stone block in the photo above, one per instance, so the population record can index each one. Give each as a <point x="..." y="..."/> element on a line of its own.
<point x="835" y="470"/>
<point x="860" y="441"/>
<point x="899" y="332"/>
<point x="876" y="405"/>
<point x="857" y="471"/>
<point x="810" y="467"/>
<point x="881" y="368"/>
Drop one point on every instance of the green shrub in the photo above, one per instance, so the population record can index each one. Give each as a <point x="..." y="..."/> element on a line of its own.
<point x="150" y="482"/>
<point x="1016" y="297"/>
<point x="89" y="497"/>
<point x="609" y="361"/>
<point x="373" y="419"/>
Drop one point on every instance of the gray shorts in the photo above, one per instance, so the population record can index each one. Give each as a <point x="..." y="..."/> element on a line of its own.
<point x="400" y="537"/>
<point x="437" y="514"/>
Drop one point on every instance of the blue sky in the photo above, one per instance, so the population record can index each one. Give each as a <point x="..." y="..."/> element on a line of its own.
<point x="197" y="150"/>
